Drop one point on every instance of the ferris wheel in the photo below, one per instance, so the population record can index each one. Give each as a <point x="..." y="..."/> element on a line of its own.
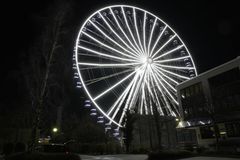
<point x="129" y="59"/>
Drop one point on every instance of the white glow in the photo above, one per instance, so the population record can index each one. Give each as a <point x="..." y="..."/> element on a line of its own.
<point x="168" y="52"/>
<point x="106" y="55"/>
<point x="130" y="31"/>
<point x="118" y="43"/>
<point x="111" y="39"/>
<point x="118" y="36"/>
<point x="108" y="65"/>
<point x="109" y="89"/>
<point x="150" y="38"/>
<point x="125" y="35"/>
<point x="111" y="48"/>
<point x="156" y="42"/>
<point x="136" y="28"/>
<point x="163" y="45"/>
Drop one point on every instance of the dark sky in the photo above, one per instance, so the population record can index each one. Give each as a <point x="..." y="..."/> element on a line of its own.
<point x="209" y="29"/>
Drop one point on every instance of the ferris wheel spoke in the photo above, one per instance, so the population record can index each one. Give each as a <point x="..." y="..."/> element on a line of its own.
<point x="111" y="39"/>
<point x="135" y="58"/>
<point x="129" y="93"/>
<point x="121" y="65"/>
<point x="104" y="45"/>
<point x="159" y="84"/>
<point x="109" y="26"/>
<point x="163" y="74"/>
<point x="136" y="28"/>
<point x="158" y="101"/>
<point x="172" y="59"/>
<point x="115" y="85"/>
<point x="119" y="26"/>
<point x="137" y="88"/>
<point x="174" y="67"/>
<point x="150" y="38"/>
<point x="88" y="82"/>
<point x="105" y="55"/>
<point x="170" y="39"/>
<point x="141" y="100"/>
<point x="163" y="79"/>
<point x="144" y="32"/>
<point x="144" y="95"/>
<point x="172" y="73"/>
<point x="118" y="103"/>
<point x="175" y="110"/>
<point x="168" y="52"/>
<point x="163" y="86"/>
<point x="159" y="37"/>
<point x="131" y="98"/>
<point x="130" y="31"/>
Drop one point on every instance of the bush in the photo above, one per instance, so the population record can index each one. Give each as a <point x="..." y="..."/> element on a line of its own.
<point x="170" y="155"/>
<point x="20" y="147"/>
<point x="140" y="151"/>
<point x="8" y="148"/>
<point x="200" y="149"/>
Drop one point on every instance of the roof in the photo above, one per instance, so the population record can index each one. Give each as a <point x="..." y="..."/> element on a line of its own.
<point x="212" y="72"/>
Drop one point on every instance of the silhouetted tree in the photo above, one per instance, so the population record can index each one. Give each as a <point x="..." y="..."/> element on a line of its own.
<point x="42" y="59"/>
<point x="128" y="128"/>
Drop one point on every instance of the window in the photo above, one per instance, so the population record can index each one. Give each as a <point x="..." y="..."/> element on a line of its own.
<point x="193" y="101"/>
<point x="207" y="132"/>
<point x="233" y="129"/>
<point x="224" y="88"/>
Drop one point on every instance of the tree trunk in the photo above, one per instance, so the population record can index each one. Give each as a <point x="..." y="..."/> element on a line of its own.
<point x="158" y="127"/>
<point x="150" y="133"/>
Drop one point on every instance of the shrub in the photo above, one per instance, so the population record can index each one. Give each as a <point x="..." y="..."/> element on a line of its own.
<point x="20" y="147"/>
<point x="170" y="155"/>
<point x="8" y="148"/>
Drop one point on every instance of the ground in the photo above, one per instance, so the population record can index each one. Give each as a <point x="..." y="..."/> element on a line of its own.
<point x="115" y="157"/>
<point x="142" y="157"/>
<point x="210" y="158"/>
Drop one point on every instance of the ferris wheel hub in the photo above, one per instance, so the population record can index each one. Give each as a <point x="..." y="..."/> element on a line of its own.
<point x="149" y="60"/>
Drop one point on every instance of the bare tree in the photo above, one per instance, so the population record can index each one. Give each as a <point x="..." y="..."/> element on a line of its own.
<point x="42" y="59"/>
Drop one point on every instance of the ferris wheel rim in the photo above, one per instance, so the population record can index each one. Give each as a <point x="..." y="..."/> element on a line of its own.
<point x="76" y="52"/>
<point x="150" y="13"/>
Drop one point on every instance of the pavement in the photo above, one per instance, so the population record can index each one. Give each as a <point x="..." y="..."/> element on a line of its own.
<point x="115" y="157"/>
<point x="210" y="158"/>
<point x="142" y="157"/>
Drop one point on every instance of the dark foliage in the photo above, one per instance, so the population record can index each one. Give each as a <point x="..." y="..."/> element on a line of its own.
<point x="8" y="148"/>
<point x="170" y="155"/>
<point x="127" y="131"/>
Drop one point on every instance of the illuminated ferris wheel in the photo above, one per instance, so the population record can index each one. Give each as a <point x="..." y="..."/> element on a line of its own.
<point x="129" y="59"/>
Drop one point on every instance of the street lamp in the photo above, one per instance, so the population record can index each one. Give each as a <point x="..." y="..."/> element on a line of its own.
<point x="55" y="130"/>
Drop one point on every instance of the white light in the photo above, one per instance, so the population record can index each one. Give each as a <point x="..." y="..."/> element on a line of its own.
<point x="201" y="122"/>
<point x="133" y="43"/>
<point x="93" y="114"/>
<point x="55" y="130"/>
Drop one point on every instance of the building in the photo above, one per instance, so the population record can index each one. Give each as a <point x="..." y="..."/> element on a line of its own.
<point x="210" y="104"/>
<point x="145" y="133"/>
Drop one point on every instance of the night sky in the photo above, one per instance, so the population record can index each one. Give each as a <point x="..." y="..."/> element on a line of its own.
<point x="209" y="29"/>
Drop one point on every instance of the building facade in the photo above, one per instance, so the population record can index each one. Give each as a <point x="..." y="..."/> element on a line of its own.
<point x="210" y="104"/>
